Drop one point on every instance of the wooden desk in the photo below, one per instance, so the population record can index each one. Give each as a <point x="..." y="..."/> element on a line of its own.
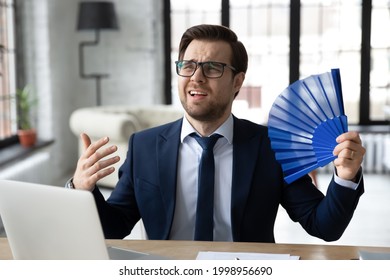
<point x="189" y="249"/>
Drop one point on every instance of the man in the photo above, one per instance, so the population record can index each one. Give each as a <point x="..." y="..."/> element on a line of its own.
<point x="158" y="180"/>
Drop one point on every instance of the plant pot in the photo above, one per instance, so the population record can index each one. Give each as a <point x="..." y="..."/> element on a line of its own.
<point x="27" y="138"/>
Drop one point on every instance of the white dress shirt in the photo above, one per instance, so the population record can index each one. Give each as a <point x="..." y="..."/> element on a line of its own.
<point x="190" y="153"/>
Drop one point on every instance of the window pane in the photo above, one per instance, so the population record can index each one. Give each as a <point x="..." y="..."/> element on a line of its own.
<point x="331" y="38"/>
<point x="184" y="14"/>
<point x="263" y="27"/>
<point x="7" y="72"/>
<point x="380" y="60"/>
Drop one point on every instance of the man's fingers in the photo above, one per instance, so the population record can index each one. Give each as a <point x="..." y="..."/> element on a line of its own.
<point x="350" y="153"/>
<point x="96" y="155"/>
<point x="351" y="135"/>
<point x="101" y="165"/>
<point x="86" y="140"/>
<point x="349" y="140"/>
<point x="91" y="148"/>
<point x="91" y="169"/>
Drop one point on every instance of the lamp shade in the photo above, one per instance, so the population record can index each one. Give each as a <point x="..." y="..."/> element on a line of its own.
<point x="97" y="15"/>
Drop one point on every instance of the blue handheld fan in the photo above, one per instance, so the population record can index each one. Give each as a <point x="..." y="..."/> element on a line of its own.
<point x="304" y="122"/>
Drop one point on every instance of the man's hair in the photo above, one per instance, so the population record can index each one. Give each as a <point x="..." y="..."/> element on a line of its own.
<point x="210" y="32"/>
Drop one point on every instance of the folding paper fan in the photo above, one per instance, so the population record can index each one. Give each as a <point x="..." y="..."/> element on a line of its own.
<point x="304" y="122"/>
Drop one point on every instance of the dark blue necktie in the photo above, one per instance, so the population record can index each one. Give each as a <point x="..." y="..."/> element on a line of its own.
<point x="204" y="223"/>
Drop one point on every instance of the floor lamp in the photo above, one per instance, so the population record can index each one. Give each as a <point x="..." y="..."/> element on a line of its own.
<point x="95" y="16"/>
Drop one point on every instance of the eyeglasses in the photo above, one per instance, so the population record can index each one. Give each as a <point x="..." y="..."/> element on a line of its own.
<point x="210" y="69"/>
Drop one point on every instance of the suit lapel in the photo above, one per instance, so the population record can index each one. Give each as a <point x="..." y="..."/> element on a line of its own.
<point x="245" y="150"/>
<point x="168" y="147"/>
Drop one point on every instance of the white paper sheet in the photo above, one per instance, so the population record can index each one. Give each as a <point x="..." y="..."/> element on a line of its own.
<point x="209" y="255"/>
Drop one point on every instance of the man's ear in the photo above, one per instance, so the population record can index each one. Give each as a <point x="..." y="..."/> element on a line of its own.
<point x="238" y="81"/>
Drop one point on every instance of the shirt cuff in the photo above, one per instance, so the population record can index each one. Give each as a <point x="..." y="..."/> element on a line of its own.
<point x="348" y="183"/>
<point x="69" y="184"/>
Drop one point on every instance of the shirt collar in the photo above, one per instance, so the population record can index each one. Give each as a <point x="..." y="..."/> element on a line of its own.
<point x="226" y="129"/>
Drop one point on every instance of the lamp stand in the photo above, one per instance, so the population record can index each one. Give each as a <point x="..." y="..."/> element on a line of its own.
<point x="96" y="76"/>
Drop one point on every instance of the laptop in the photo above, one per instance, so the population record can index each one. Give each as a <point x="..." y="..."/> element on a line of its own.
<point x="53" y="223"/>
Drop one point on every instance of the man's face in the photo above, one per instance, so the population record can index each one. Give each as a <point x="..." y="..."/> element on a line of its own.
<point x="209" y="99"/>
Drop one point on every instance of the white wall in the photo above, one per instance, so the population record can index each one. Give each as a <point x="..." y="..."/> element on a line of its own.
<point x="132" y="56"/>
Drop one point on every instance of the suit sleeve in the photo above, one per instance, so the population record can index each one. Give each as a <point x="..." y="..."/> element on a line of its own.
<point x="325" y="217"/>
<point x="119" y="213"/>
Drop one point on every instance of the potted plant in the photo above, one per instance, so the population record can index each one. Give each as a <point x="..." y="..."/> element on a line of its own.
<point x="25" y="101"/>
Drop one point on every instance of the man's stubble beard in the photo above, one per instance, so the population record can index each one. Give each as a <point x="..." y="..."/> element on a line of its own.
<point x="211" y="113"/>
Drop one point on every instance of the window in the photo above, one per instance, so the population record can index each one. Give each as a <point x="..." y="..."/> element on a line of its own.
<point x="312" y="38"/>
<point x="263" y="27"/>
<point x="331" y="38"/>
<point x="185" y="14"/>
<point x="8" y="124"/>
<point x="379" y="92"/>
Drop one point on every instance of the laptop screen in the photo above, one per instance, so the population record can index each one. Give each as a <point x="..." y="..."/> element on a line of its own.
<point x="48" y="222"/>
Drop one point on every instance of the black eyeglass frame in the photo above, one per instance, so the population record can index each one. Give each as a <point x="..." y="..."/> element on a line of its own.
<point x="200" y="64"/>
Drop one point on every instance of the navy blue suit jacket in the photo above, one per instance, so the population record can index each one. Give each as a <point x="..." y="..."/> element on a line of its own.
<point x="147" y="187"/>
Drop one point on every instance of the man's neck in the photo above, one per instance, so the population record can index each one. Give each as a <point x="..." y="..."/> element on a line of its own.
<point x="205" y="128"/>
